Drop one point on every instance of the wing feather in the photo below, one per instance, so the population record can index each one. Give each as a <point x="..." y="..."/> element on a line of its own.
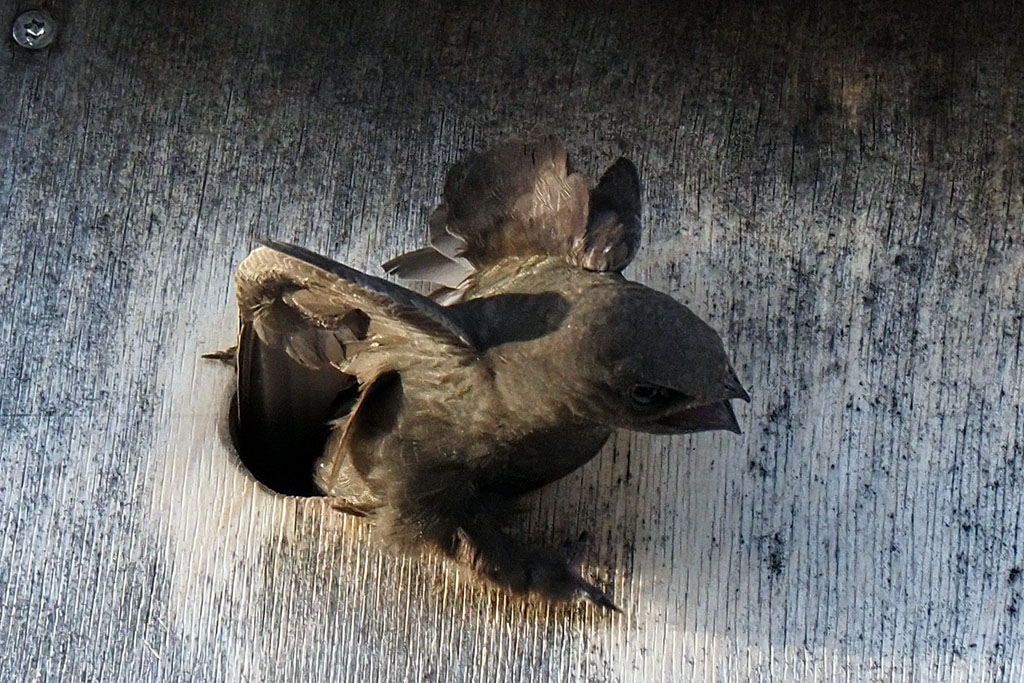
<point x="313" y="334"/>
<point x="323" y="313"/>
<point x="520" y="199"/>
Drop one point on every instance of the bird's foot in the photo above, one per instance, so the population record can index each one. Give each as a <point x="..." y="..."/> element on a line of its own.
<point x="542" y="572"/>
<point x="575" y="551"/>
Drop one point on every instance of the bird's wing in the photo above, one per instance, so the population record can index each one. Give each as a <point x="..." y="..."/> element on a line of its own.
<point x="311" y="332"/>
<point x="520" y="199"/>
<point x="613" y="224"/>
<point x="325" y="314"/>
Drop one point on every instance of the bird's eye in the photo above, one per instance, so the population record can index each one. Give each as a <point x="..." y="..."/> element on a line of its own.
<point x="644" y="394"/>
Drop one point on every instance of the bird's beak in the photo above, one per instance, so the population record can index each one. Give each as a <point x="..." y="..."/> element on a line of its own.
<point x="701" y="419"/>
<point x="734" y="388"/>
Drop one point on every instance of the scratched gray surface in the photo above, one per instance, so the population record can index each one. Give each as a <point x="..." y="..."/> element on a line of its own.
<point x="839" y="191"/>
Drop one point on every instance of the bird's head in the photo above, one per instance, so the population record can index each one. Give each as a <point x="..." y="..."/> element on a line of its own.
<point x="650" y="364"/>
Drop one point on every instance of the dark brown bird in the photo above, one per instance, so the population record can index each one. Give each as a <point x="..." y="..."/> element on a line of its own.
<point x="432" y="414"/>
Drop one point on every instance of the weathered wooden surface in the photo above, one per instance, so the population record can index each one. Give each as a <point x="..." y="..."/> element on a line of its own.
<point x="840" y="191"/>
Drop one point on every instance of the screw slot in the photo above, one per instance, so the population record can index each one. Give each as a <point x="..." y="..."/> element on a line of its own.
<point x="34" y="29"/>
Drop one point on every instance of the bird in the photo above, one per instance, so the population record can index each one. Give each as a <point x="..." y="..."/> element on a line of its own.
<point x="433" y="415"/>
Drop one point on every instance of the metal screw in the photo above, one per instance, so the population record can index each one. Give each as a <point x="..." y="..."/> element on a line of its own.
<point x="34" y="29"/>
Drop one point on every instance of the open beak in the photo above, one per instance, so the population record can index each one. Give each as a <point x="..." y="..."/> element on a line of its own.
<point x="708" y="417"/>
<point x="701" y="419"/>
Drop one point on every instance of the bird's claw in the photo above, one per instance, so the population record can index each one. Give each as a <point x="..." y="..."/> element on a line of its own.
<point x="597" y="596"/>
<point x="575" y="551"/>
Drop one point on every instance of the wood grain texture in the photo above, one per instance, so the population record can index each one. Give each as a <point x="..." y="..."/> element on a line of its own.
<point x="840" y="191"/>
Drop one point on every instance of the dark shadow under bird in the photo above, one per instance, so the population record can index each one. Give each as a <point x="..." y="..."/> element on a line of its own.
<point x="432" y="414"/>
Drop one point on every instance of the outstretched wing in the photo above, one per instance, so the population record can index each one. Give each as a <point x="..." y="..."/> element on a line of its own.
<point x="311" y="332"/>
<point x="322" y="313"/>
<point x="520" y="199"/>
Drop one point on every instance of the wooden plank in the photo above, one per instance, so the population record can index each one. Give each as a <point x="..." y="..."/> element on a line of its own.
<point x="838" y="190"/>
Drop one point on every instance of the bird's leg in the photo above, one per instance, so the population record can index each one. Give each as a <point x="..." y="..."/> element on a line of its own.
<point x="507" y="562"/>
<point x="444" y="508"/>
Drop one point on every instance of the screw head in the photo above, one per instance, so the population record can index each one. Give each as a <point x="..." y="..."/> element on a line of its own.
<point x="34" y="29"/>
